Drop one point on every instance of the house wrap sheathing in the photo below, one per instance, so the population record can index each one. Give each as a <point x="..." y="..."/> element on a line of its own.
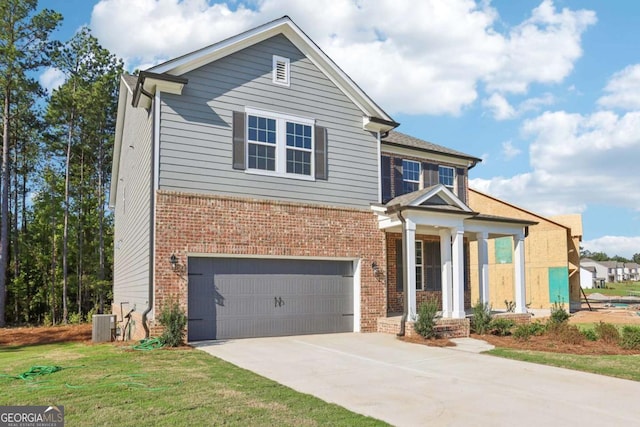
<point x="552" y="253"/>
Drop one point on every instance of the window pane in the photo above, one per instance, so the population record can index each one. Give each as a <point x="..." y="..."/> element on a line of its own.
<point x="298" y="135"/>
<point x="262" y="157"/>
<point x="299" y="162"/>
<point x="261" y="129"/>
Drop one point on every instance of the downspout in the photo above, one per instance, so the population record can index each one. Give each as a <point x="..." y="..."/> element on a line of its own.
<point x="152" y="210"/>
<point x="405" y="310"/>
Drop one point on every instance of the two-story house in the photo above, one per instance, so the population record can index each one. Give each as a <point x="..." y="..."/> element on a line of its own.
<point x="256" y="184"/>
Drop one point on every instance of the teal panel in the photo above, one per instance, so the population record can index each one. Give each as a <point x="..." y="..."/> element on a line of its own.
<point x="503" y="250"/>
<point x="559" y="284"/>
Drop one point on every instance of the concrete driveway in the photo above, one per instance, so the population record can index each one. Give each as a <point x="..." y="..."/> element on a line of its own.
<point x="415" y="385"/>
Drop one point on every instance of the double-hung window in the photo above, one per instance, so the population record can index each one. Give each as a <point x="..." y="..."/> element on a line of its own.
<point x="410" y="176"/>
<point x="280" y="144"/>
<point x="446" y="176"/>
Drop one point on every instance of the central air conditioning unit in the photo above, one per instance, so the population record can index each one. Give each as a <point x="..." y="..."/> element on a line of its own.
<point x="104" y="328"/>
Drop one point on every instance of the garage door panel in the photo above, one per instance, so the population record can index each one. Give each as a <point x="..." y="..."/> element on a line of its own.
<point x="267" y="297"/>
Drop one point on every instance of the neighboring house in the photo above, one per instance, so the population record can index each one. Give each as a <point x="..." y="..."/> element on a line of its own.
<point x="601" y="270"/>
<point x="588" y="277"/>
<point x="633" y="271"/>
<point x="552" y="254"/>
<point x="259" y="187"/>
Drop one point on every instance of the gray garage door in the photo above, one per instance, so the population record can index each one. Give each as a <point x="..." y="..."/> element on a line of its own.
<point x="243" y="298"/>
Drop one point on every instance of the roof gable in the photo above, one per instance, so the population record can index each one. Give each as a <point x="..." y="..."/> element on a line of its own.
<point x="375" y="118"/>
<point x="436" y="196"/>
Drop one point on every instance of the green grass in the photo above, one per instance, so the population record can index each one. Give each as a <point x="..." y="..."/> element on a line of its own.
<point x="616" y="289"/>
<point x="107" y="385"/>
<point x="627" y="367"/>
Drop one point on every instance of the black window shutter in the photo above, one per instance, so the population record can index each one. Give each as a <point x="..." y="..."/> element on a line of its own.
<point x="320" y="153"/>
<point x="462" y="194"/>
<point x="430" y="171"/>
<point x="238" y="140"/>
<point x="385" y="165"/>
<point x="399" y="266"/>
<point x="398" y="183"/>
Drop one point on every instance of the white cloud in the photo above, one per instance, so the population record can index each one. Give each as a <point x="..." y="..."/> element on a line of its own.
<point x="542" y="49"/>
<point x="623" y="90"/>
<point x="576" y="160"/>
<point x="499" y="107"/>
<point x="429" y="56"/>
<point x="614" y="245"/>
<point x="52" y="78"/>
<point x="509" y="151"/>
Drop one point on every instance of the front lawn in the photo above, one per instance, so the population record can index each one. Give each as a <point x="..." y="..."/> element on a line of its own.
<point x="620" y="366"/>
<point x="616" y="289"/>
<point x="108" y="385"/>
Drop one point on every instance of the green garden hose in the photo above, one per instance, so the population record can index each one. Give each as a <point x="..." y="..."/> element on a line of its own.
<point x="149" y="344"/>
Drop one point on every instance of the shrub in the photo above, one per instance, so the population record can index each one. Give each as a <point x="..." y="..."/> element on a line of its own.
<point x="426" y="320"/>
<point x="570" y="334"/>
<point x="526" y="330"/>
<point x="481" y="320"/>
<point x="607" y="332"/>
<point x="75" y="318"/>
<point x="558" y="314"/>
<point x="501" y="326"/>
<point x="630" y="338"/>
<point x="174" y="320"/>
<point x="590" y="334"/>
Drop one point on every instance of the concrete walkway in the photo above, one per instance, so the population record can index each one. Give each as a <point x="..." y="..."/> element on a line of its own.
<point x="415" y="385"/>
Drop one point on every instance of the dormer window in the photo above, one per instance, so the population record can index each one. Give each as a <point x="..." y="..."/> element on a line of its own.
<point x="281" y="70"/>
<point x="446" y="176"/>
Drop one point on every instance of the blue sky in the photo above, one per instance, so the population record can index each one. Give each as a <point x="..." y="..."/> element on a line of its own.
<point x="547" y="93"/>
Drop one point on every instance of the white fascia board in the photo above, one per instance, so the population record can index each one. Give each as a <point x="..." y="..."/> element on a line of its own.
<point x="373" y="126"/>
<point x="152" y="86"/>
<point x="117" y="143"/>
<point x="497" y="227"/>
<point x="434" y="219"/>
<point x="285" y="26"/>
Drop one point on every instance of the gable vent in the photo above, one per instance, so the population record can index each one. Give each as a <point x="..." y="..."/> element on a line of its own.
<point x="281" y="70"/>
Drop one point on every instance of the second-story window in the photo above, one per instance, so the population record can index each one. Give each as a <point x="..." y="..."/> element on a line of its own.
<point x="446" y="176"/>
<point x="279" y="144"/>
<point x="410" y="176"/>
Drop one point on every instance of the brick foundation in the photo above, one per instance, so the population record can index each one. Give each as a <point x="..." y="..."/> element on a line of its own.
<point x="518" y="318"/>
<point x="447" y="328"/>
<point x="200" y="224"/>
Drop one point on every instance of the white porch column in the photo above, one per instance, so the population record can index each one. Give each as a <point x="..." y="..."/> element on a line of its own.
<point x="519" y="274"/>
<point x="445" y="269"/>
<point x="483" y="266"/>
<point x="457" y="249"/>
<point x="410" y="273"/>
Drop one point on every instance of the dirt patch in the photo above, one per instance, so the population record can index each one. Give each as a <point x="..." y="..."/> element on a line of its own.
<point x="44" y="335"/>
<point x="606" y="313"/>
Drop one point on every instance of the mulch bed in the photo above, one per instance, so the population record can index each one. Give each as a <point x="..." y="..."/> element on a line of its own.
<point x="552" y="344"/>
<point x="44" y="335"/>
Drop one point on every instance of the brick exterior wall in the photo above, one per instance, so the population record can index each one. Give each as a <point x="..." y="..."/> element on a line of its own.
<point x="395" y="297"/>
<point x="201" y="224"/>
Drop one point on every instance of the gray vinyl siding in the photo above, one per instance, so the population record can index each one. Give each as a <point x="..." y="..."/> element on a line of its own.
<point x="132" y="211"/>
<point x="196" y="133"/>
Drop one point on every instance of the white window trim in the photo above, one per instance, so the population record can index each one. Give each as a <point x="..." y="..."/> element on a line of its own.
<point x="455" y="177"/>
<point x="420" y="280"/>
<point x="287" y="70"/>
<point x="281" y="145"/>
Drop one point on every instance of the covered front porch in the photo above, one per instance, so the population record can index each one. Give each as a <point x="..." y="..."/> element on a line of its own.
<point x="428" y="234"/>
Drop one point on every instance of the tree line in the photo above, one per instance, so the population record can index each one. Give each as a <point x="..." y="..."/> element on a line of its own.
<point x="56" y="233"/>
<point x="602" y="256"/>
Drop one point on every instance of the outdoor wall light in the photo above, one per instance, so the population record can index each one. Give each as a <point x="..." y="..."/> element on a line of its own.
<point x="376" y="269"/>
<point x="174" y="261"/>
